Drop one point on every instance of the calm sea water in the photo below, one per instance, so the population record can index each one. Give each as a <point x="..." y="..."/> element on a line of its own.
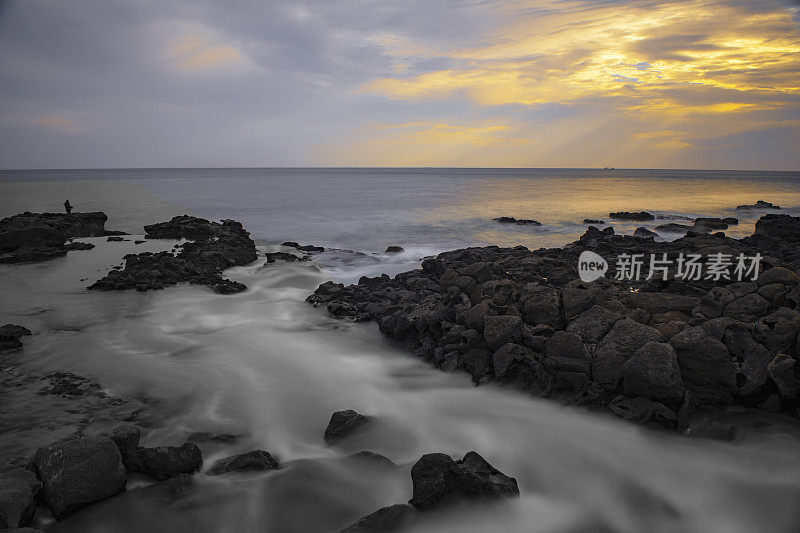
<point x="430" y="209"/>
<point x="270" y="369"/>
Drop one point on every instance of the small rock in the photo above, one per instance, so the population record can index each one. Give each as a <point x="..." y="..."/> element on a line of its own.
<point x="385" y="519"/>
<point x="164" y="462"/>
<point x="10" y="335"/>
<point x="627" y="215"/>
<point x="520" y="221"/>
<point x="253" y="461"/>
<point x="641" y="231"/>
<point x="394" y="250"/>
<point x="343" y="423"/>
<point x="593" y="221"/>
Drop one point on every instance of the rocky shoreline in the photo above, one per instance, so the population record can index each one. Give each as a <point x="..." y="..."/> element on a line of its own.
<point x="654" y="351"/>
<point x="658" y="351"/>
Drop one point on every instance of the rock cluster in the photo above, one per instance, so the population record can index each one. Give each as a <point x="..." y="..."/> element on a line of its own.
<point x="520" y="221"/>
<point x="219" y="246"/>
<point x="29" y="237"/>
<point x="627" y="215"/>
<point x="649" y="351"/>
<point x="760" y="204"/>
<point x="438" y="481"/>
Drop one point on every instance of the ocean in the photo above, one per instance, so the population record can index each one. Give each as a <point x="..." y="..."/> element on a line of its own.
<point x="265" y="370"/>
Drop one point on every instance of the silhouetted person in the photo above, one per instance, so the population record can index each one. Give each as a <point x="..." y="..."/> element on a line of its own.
<point x="68" y="207"/>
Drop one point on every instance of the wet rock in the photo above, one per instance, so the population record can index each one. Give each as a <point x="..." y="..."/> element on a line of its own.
<point x="78" y="473"/>
<point x="10" y="335"/>
<point x="706" y="366"/>
<point x="781" y="371"/>
<point x="641" y="231"/>
<point x="73" y="246"/>
<point x="752" y="358"/>
<point x="641" y="410"/>
<point x="594" y="234"/>
<point x="592" y="221"/>
<point x="439" y="480"/>
<point x="343" y="423"/>
<point x="772" y="404"/>
<point x="713" y="430"/>
<point x="591" y="325"/>
<point x="673" y="228"/>
<point x="521" y="221"/>
<point x="500" y="330"/>
<point x="653" y="371"/>
<point x="252" y="461"/>
<point x="541" y="305"/>
<point x="19" y="489"/>
<point x="180" y="227"/>
<point x="126" y="437"/>
<point x="115" y="239"/>
<point x="627" y="215"/>
<point x="566" y="356"/>
<point x="760" y="204"/>
<point x="164" y="462"/>
<point x="304" y="248"/>
<point x="625" y="337"/>
<point x="778" y="331"/>
<point x="713" y="223"/>
<point x="394" y="249"/>
<point x="197" y="262"/>
<point x="747" y="308"/>
<point x="389" y="518"/>
<point x="284" y="256"/>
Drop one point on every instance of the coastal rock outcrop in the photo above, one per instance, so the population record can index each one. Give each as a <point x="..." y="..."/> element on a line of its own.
<point x="627" y="215"/>
<point x="520" y="221"/>
<point x="523" y="318"/>
<point x="30" y="237"/>
<point x="201" y="262"/>
<point x="760" y="204"/>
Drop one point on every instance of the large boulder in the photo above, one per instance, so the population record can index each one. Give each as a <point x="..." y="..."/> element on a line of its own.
<point x="706" y="366"/>
<point x="747" y="308"/>
<point x="438" y="480"/>
<point x="78" y="473"/>
<point x="252" y="461"/>
<point x="621" y="343"/>
<point x="653" y="371"/>
<point x="18" y="494"/>
<point x="778" y="331"/>
<point x="343" y="423"/>
<point x="566" y="356"/>
<point x="751" y="357"/>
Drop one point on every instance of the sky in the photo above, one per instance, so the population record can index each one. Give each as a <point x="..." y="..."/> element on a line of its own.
<point x="508" y="83"/>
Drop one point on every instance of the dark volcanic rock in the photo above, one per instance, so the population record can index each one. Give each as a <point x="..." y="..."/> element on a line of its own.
<point x="198" y="262"/>
<point x="39" y="236"/>
<point x="285" y="256"/>
<point x="520" y="221"/>
<point x="593" y="221"/>
<point x="627" y="215"/>
<point x="342" y="424"/>
<point x="126" y="437"/>
<point x="438" y="480"/>
<point x="115" y="239"/>
<point x="78" y="246"/>
<point x="760" y="204"/>
<point x="389" y="518"/>
<point x="673" y="228"/>
<point x="19" y="489"/>
<point x="78" y="473"/>
<point x="304" y="248"/>
<point x="644" y="232"/>
<point x="180" y="227"/>
<point x="10" y="336"/>
<point x="164" y="462"/>
<point x="523" y="318"/>
<point x="253" y="461"/>
<point x="394" y="249"/>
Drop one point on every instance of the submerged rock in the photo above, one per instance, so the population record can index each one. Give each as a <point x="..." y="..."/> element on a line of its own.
<point x="389" y="518"/>
<point x="394" y="250"/>
<point x="439" y="480"/>
<point x="284" y="256"/>
<point x="78" y="473"/>
<point x="760" y="204"/>
<point x="593" y="221"/>
<point x="644" y="232"/>
<point x="164" y="462"/>
<point x="627" y="215"/>
<point x="19" y="490"/>
<point x="520" y="221"/>
<point x="253" y="461"/>
<point x="343" y="423"/>
<point x="10" y="335"/>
